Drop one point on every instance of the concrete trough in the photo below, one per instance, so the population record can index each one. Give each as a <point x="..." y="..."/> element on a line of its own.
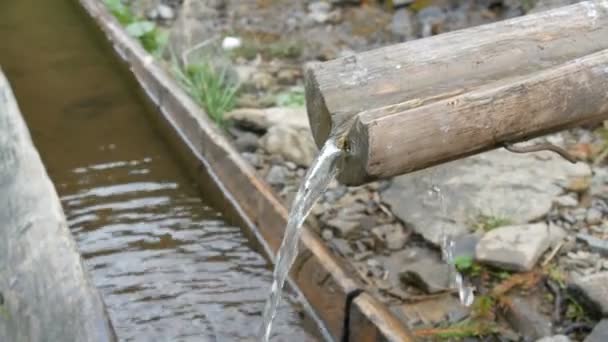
<point x="45" y="292"/>
<point x="334" y="295"/>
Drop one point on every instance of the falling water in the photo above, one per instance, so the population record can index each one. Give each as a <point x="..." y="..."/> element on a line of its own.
<point x="465" y="292"/>
<point x="322" y="171"/>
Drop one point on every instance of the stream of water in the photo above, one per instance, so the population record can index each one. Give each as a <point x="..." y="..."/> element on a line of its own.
<point x="318" y="177"/>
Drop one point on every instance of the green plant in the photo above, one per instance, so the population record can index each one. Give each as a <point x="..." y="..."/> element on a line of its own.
<point x="464" y="329"/>
<point x="574" y="311"/>
<point x="483" y="307"/>
<point x="487" y="223"/>
<point x="122" y="13"/>
<point x="150" y="36"/>
<point x="210" y="87"/>
<point x="291" y="98"/>
<point x="465" y="264"/>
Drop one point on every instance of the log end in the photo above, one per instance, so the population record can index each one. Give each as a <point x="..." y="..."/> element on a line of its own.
<point x="352" y="169"/>
<point x="319" y="117"/>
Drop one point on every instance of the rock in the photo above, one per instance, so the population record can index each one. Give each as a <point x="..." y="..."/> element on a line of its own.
<point x="293" y="143"/>
<point x="464" y="246"/>
<point x="428" y="275"/>
<point x="592" y="292"/>
<point x="594" y="216"/>
<point x="165" y="12"/>
<point x="276" y="175"/>
<point x="231" y="43"/>
<point x="342" y="247"/>
<point x="524" y="318"/>
<point x="327" y="234"/>
<point x="566" y="201"/>
<point x="343" y="227"/>
<point x="595" y="244"/>
<point x="517" y="187"/>
<point x="599" y="183"/>
<point x="393" y="236"/>
<point x="545" y="5"/>
<point x="246" y="142"/>
<point x="251" y="158"/>
<point x="516" y="248"/>
<point x="319" y="11"/>
<point x="288" y="76"/>
<point x="556" y="338"/>
<point x="403" y="25"/>
<point x="599" y="332"/>
<point x="262" y="80"/>
<point x="432" y="19"/>
<point x="263" y="119"/>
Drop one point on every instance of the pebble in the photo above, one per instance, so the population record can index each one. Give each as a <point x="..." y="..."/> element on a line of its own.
<point x="327" y="234"/>
<point x="393" y="236"/>
<point x="524" y="318"/>
<point x="594" y="216"/>
<point x="343" y="227"/>
<point x="251" y="158"/>
<point x="595" y="244"/>
<point x="566" y="201"/>
<point x="294" y="144"/>
<point x="276" y="175"/>
<point x="403" y="25"/>
<point x="431" y="18"/>
<point x="165" y="12"/>
<point x="599" y="332"/>
<point x="594" y="290"/>
<point x="516" y="248"/>
<point x="428" y="275"/>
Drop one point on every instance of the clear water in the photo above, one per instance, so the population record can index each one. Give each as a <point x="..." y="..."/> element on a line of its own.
<point x="465" y="292"/>
<point x="318" y="177"/>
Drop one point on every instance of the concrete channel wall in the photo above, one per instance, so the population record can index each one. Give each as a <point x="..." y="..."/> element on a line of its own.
<point x="45" y="292"/>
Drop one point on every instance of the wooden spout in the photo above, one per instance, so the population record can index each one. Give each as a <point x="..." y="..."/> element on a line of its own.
<point x="425" y="102"/>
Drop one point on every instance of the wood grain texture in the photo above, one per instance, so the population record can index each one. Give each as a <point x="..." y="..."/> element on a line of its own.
<point x="45" y="292"/>
<point x="424" y="71"/>
<point x="405" y="137"/>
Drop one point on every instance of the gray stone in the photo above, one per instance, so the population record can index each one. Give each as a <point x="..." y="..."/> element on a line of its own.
<point x="393" y="236"/>
<point x="545" y="5"/>
<point x="432" y="19"/>
<point x="595" y="244"/>
<point x="319" y="11"/>
<point x="556" y="338"/>
<point x="251" y="158"/>
<point x="246" y="142"/>
<point x="464" y="246"/>
<point x="428" y="275"/>
<point x="343" y="227"/>
<point x="566" y="201"/>
<point x="165" y="12"/>
<point x="403" y="24"/>
<point x="197" y="22"/>
<point x="294" y="144"/>
<point x="526" y="320"/>
<point x="592" y="290"/>
<point x="517" y="187"/>
<point x="599" y="332"/>
<point x="516" y="248"/>
<point x="263" y="119"/>
<point x="594" y="216"/>
<point x="327" y="234"/>
<point x="276" y="175"/>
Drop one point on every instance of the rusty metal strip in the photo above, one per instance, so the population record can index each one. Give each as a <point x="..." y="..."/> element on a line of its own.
<point x="321" y="277"/>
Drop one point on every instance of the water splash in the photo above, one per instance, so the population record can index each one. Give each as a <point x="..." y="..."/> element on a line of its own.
<point x="322" y="171"/>
<point x="465" y="292"/>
